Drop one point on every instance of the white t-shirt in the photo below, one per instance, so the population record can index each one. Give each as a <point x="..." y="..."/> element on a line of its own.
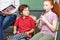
<point x="6" y="3"/>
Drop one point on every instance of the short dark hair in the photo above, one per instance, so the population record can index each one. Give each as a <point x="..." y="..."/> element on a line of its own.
<point x="22" y="7"/>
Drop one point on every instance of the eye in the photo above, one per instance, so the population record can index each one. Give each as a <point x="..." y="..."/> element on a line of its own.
<point x="45" y="5"/>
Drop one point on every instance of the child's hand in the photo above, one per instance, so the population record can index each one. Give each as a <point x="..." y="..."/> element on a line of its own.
<point x="14" y="32"/>
<point x="26" y="33"/>
<point x="42" y="18"/>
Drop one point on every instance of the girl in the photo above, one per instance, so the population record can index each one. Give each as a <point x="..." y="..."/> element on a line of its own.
<point x="48" y="22"/>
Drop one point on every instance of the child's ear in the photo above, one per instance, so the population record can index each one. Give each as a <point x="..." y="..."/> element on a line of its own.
<point x="21" y="13"/>
<point x="52" y="6"/>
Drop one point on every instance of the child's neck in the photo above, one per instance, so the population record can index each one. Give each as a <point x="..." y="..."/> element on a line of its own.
<point x="48" y="12"/>
<point x="24" y="17"/>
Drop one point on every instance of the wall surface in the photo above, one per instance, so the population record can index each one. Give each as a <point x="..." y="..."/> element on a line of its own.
<point x="34" y="4"/>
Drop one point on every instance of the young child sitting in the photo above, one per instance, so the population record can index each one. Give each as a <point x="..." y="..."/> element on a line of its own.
<point x="24" y="24"/>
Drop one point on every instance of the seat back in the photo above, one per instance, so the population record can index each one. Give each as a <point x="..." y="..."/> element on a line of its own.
<point x="58" y="32"/>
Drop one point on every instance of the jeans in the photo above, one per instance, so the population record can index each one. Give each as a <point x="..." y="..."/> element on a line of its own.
<point x="5" y="21"/>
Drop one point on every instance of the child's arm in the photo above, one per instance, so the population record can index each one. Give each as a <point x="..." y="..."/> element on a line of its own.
<point x="54" y="22"/>
<point x="14" y="30"/>
<point x="33" y="20"/>
<point x="15" y="26"/>
<point x="31" y="31"/>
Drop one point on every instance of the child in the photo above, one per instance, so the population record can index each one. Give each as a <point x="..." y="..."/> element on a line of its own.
<point x="48" y="22"/>
<point x="25" y="24"/>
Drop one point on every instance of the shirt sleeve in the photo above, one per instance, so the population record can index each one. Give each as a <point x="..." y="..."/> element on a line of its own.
<point x="16" y="22"/>
<point x="32" y="23"/>
<point x="55" y="17"/>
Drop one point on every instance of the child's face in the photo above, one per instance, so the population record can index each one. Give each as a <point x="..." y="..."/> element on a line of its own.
<point x="47" y="5"/>
<point x="25" y="12"/>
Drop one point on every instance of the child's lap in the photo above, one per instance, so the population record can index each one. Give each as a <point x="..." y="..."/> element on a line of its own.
<point x="17" y="37"/>
<point x="40" y="36"/>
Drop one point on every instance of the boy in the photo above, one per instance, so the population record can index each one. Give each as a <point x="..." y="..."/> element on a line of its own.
<point x="25" y="24"/>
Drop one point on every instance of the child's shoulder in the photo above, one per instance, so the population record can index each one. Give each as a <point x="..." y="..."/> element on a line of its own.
<point x="18" y="17"/>
<point x="54" y="14"/>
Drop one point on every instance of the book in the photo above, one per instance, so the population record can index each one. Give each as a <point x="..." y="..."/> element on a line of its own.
<point x="9" y="8"/>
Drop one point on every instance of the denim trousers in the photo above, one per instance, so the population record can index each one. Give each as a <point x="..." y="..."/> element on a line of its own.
<point x="5" y="21"/>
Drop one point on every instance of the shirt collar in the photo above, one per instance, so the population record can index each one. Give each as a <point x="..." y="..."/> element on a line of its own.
<point x="25" y="17"/>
